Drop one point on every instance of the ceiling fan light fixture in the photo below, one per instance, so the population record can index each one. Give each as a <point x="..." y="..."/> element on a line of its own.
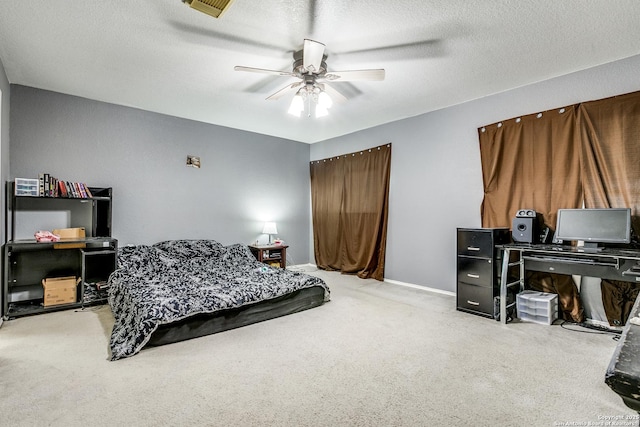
<point x="310" y="67"/>
<point x="213" y="8"/>
<point x="297" y="105"/>
<point x="325" y="100"/>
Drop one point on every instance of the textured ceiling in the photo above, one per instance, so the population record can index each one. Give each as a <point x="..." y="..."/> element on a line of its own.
<point x="162" y="56"/>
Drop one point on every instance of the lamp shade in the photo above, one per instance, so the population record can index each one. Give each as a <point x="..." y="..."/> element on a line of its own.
<point x="324" y="100"/>
<point x="269" y="228"/>
<point x="297" y="106"/>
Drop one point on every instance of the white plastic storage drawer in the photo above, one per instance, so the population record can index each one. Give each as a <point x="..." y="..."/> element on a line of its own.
<point x="538" y="307"/>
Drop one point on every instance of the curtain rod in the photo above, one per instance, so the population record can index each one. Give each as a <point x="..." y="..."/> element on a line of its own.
<point x="563" y="109"/>
<point x="352" y="154"/>
<point x="539" y="115"/>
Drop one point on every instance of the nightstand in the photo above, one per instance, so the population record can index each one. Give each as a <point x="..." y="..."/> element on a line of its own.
<point x="274" y="255"/>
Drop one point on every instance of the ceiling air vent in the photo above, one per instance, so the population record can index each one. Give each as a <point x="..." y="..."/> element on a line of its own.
<point x="214" y="8"/>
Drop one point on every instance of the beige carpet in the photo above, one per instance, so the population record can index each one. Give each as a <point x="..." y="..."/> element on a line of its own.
<point x="376" y="355"/>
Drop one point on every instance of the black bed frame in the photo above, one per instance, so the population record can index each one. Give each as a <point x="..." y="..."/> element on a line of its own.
<point x="205" y="324"/>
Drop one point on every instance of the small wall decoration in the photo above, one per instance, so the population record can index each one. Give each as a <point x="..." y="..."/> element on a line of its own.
<point x="193" y="161"/>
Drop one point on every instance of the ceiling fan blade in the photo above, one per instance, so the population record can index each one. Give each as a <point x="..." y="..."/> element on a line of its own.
<point x="428" y="48"/>
<point x="264" y="71"/>
<point x="334" y="94"/>
<point x="284" y="91"/>
<point x="352" y="75"/>
<point x="312" y="54"/>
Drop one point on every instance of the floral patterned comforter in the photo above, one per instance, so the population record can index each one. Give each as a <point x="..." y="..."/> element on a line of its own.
<point x="176" y="279"/>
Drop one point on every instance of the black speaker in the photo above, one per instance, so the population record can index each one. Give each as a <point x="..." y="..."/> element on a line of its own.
<point x="526" y="213"/>
<point x="524" y="229"/>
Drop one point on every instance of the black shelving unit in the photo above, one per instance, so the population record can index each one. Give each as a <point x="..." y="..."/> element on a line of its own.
<point x="27" y="262"/>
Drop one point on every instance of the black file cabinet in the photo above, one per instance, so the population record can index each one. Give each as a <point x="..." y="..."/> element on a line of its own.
<point x="479" y="264"/>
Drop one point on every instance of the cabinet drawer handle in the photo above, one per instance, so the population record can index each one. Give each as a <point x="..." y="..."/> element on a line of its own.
<point x="472" y="302"/>
<point x="472" y="248"/>
<point x="473" y="276"/>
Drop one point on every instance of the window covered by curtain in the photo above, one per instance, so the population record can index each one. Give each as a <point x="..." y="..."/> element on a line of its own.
<point x="610" y="134"/>
<point x="350" y="197"/>
<point x="531" y="162"/>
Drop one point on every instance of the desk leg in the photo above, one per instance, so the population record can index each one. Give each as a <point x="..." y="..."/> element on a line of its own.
<point x="503" y="285"/>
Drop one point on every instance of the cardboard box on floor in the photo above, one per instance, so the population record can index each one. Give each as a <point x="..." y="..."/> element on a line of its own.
<point x="60" y="290"/>
<point x="69" y="234"/>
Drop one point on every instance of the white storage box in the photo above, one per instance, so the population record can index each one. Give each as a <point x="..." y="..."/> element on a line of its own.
<point x="538" y="307"/>
<point x="26" y="187"/>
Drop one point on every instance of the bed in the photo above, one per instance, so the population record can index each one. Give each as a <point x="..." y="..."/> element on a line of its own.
<point x="182" y="289"/>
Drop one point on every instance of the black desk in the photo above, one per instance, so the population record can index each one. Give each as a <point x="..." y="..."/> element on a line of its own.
<point x="623" y="374"/>
<point x="614" y="264"/>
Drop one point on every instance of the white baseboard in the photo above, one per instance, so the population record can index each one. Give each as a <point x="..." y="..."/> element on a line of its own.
<point x="393" y="282"/>
<point x="422" y="288"/>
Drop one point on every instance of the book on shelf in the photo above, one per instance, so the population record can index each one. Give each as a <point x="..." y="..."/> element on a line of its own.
<point x="62" y="189"/>
<point x="46" y="185"/>
<point x="71" y="189"/>
<point x="86" y="189"/>
<point x="77" y="190"/>
<point x="50" y="186"/>
<point x="41" y="184"/>
<point x="53" y="187"/>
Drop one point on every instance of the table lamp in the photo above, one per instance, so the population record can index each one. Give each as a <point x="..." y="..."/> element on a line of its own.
<point x="270" y="229"/>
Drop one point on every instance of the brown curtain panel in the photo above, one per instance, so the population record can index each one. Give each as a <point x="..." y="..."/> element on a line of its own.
<point x="530" y="162"/>
<point x="610" y="133"/>
<point x="533" y="162"/>
<point x="350" y="199"/>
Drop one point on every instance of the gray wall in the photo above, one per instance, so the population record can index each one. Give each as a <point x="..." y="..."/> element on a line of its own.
<point x="436" y="178"/>
<point x="245" y="178"/>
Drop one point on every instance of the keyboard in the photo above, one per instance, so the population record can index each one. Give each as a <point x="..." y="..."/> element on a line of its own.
<point x="558" y="248"/>
<point x="565" y="260"/>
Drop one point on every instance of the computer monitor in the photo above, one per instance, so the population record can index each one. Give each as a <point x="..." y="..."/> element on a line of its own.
<point x="593" y="226"/>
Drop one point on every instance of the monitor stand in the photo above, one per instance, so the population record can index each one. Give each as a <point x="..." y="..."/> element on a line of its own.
<point x="589" y="247"/>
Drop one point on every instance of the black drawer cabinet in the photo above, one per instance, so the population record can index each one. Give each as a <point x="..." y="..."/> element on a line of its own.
<point x="475" y="271"/>
<point x="478" y="264"/>
<point x="475" y="299"/>
<point x="475" y="242"/>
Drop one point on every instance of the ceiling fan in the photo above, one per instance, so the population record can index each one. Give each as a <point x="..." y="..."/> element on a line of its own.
<point x="313" y="90"/>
